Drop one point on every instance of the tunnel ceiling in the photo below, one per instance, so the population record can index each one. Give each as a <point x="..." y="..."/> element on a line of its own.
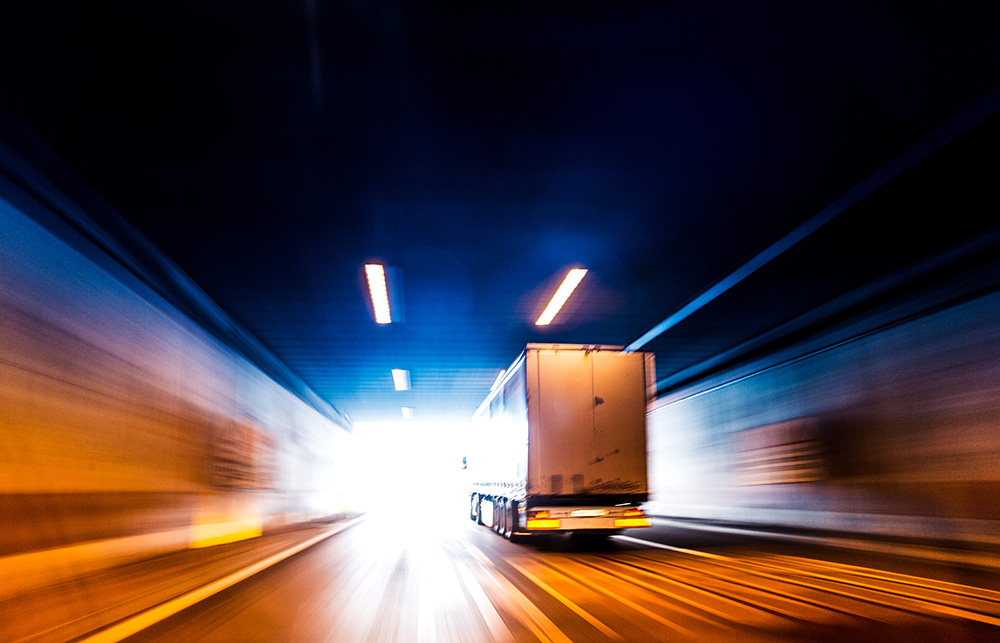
<point x="481" y="149"/>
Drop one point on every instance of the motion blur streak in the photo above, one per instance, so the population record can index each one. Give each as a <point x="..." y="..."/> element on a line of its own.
<point x="149" y="448"/>
<point x="882" y="427"/>
<point x="458" y="582"/>
<point x="143" y="620"/>
<point x="579" y="611"/>
<point x="140" y="425"/>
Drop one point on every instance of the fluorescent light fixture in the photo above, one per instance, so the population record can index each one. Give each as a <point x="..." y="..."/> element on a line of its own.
<point x="401" y="379"/>
<point x="407" y="412"/>
<point x="567" y="287"/>
<point x="380" y="296"/>
<point x="496" y="382"/>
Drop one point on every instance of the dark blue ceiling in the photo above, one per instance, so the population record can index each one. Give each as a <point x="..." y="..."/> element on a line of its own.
<point x="480" y="149"/>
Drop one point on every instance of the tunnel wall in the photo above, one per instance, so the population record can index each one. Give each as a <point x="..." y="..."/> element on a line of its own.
<point x="890" y="429"/>
<point x="126" y="428"/>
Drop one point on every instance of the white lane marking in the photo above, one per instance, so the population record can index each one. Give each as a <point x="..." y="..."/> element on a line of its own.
<point x="426" y="628"/>
<point x="475" y="551"/>
<point x="692" y="552"/>
<point x="154" y="615"/>
<point x="537" y="622"/>
<point x="494" y="622"/>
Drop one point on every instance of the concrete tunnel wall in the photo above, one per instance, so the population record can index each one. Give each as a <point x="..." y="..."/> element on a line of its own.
<point x="127" y="429"/>
<point x="894" y="431"/>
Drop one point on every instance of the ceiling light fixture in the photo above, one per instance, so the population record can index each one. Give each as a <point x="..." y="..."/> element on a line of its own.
<point x="401" y="379"/>
<point x="380" y="296"/>
<point x="407" y="413"/>
<point x="567" y="287"/>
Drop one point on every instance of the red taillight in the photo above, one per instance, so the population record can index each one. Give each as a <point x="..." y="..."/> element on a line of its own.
<point x="633" y="513"/>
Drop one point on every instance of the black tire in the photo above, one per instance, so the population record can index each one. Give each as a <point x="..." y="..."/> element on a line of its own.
<point x="505" y="518"/>
<point x="512" y="525"/>
<point x="511" y="519"/>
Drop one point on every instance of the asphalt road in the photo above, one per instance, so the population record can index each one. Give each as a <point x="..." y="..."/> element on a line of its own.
<point x="390" y="578"/>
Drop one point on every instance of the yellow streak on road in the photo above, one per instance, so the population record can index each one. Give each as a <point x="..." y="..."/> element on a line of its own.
<point x="915" y="604"/>
<point x="900" y="601"/>
<point x="966" y="591"/>
<point x="793" y="609"/>
<point x="726" y="616"/>
<point x="494" y="623"/>
<point x="145" y="619"/>
<point x="579" y="611"/>
<point x="639" y="608"/>
<point x="538" y="623"/>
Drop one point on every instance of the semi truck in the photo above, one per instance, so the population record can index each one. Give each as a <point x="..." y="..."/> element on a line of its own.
<point x="559" y="444"/>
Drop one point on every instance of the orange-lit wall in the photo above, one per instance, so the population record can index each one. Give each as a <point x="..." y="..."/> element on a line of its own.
<point x="127" y="429"/>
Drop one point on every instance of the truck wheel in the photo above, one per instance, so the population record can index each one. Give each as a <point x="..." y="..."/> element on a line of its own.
<point x="512" y="525"/>
<point x="503" y="518"/>
<point x="508" y="523"/>
<point x="473" y="507"/>
<point x="497" y="514"/>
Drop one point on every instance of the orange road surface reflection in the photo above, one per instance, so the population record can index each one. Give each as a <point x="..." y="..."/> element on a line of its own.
<point x="383" y="580"/>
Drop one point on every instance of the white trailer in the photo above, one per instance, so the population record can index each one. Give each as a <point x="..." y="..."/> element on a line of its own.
<point x="560" y="442"/>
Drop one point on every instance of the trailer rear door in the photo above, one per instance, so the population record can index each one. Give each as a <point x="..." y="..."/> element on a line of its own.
<point x="587" y="411"/>
<point x="619" y="453"/>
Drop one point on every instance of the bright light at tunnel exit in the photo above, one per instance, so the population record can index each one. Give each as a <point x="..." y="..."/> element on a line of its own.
<point x="410" y="455"/>
<point x="375" y="274"/>
<point x="567" y="287"/>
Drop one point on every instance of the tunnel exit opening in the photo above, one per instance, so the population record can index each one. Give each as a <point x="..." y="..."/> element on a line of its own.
<point x="411" y="472"/>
